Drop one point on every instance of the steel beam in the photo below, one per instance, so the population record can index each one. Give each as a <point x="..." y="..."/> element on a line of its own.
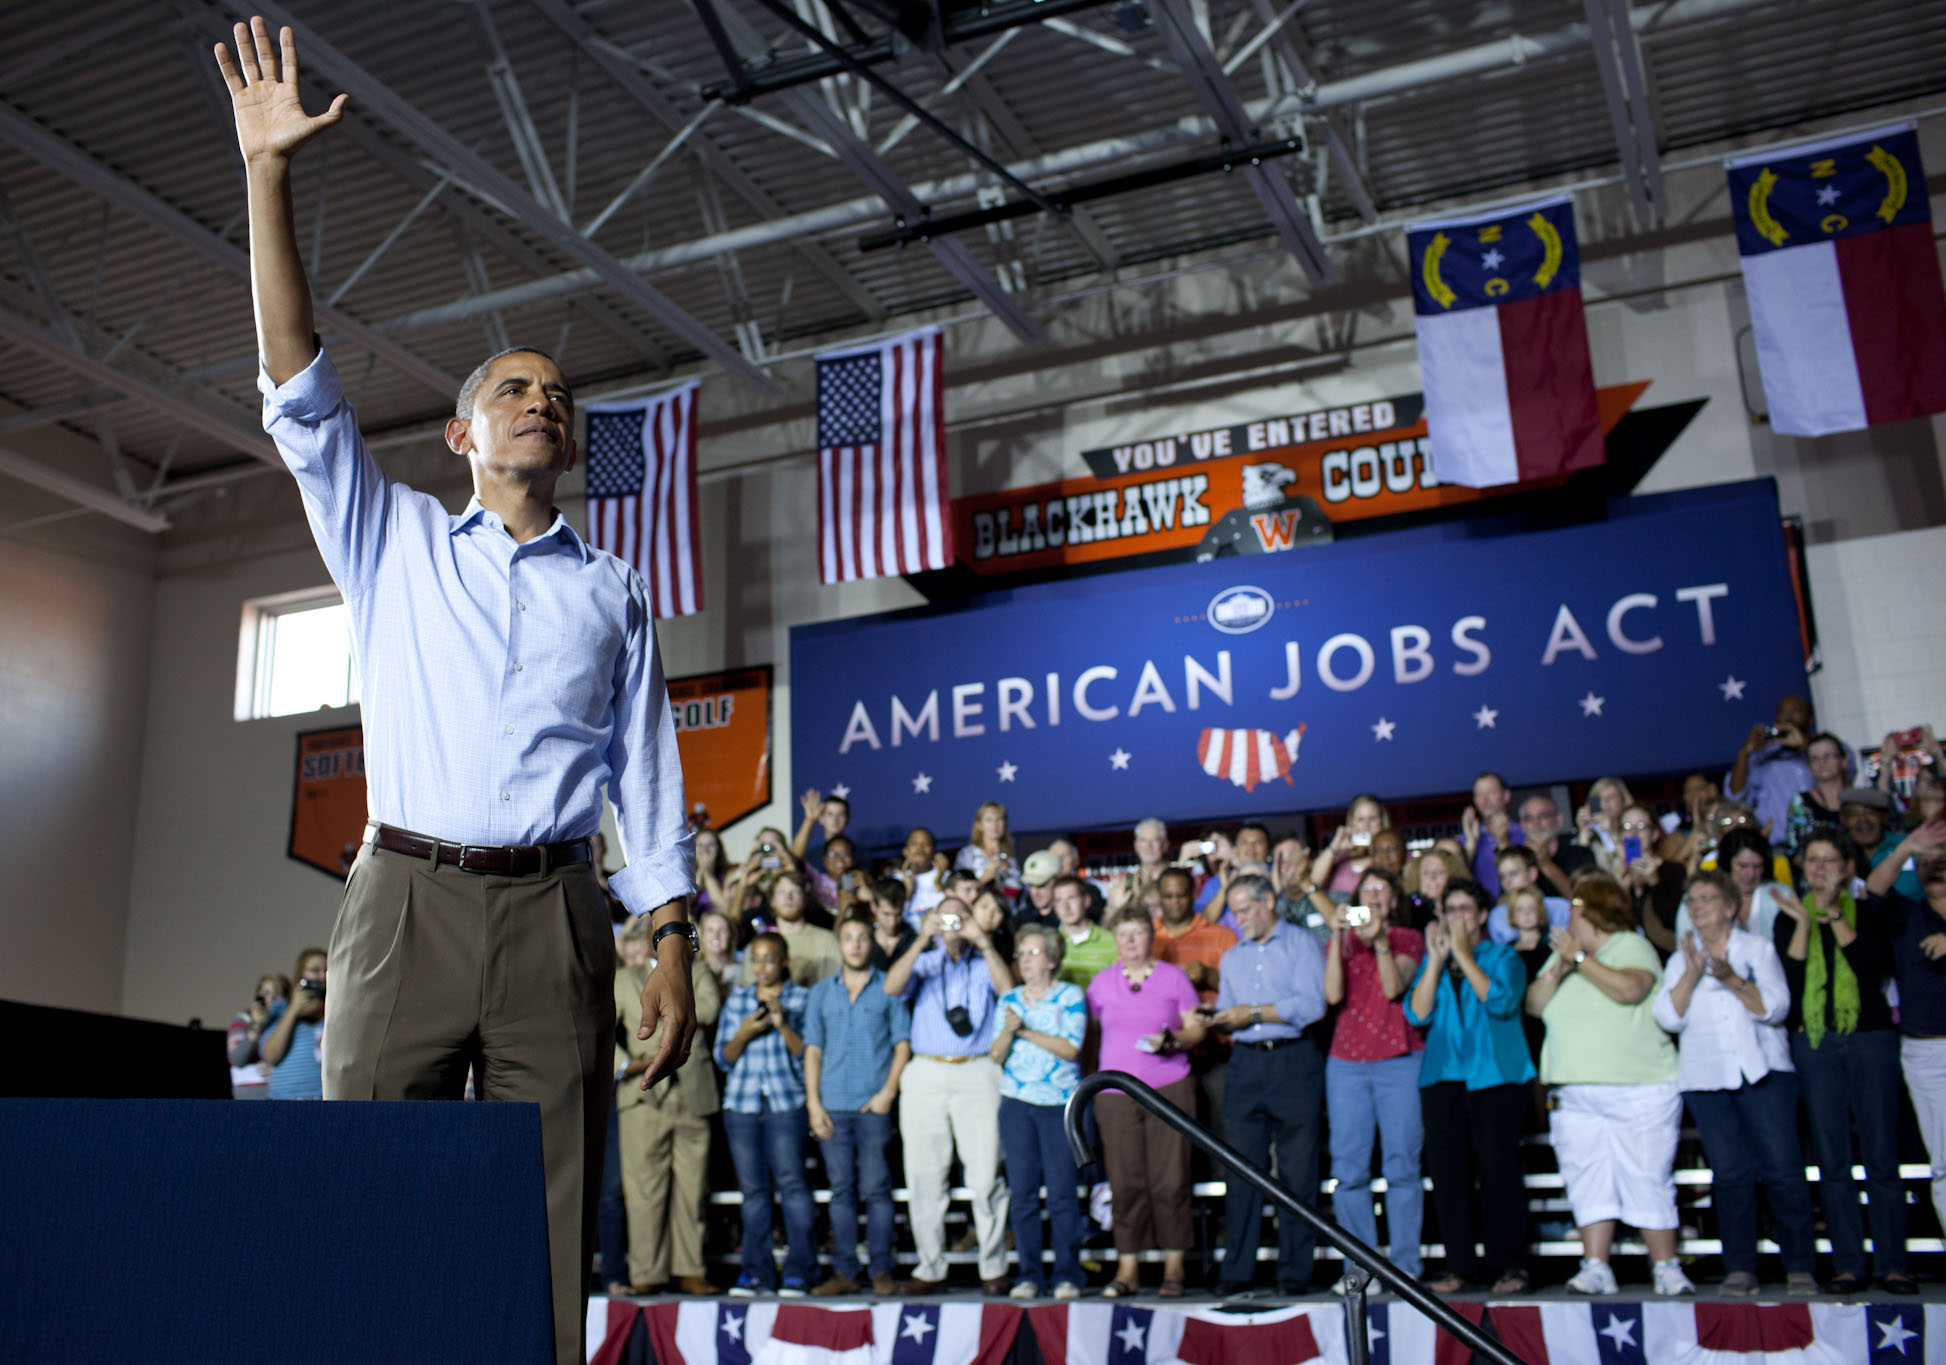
<point x="90" y="496"/>
<point x="1187" y="43"/>
<point x="871" y="169"/>
<point x="1630" y="116"/>
<point x="196" y="414"/>
<point x="381" y="103"/>
<point x="63" y="157"/>
<point x="630" y="80"/>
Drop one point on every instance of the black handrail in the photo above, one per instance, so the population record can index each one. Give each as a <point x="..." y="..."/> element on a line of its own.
<point x="1362" y="1264"/>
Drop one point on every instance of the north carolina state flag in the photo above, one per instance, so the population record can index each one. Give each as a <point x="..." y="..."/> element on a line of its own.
<point x="1503" y="346"/>
<point x="1842" y="273"/>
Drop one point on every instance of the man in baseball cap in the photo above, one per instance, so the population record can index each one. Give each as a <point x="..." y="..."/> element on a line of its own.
<point x="1038" y="874"/>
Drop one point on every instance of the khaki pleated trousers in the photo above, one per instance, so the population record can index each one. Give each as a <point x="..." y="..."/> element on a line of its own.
<point x="435" y="970"/>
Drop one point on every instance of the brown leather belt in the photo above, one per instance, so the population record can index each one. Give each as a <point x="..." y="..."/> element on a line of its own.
<point x="489" y="860"/>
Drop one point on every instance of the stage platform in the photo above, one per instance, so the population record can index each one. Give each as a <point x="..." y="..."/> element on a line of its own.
<point x="1546" y="1328"/>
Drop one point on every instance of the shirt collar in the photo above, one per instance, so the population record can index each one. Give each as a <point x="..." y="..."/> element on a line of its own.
<point x="560" y="528"/>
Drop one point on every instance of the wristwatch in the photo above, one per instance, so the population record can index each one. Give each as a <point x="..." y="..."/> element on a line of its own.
<point x="1580" y="955"/>
<point x="679" y="926"/>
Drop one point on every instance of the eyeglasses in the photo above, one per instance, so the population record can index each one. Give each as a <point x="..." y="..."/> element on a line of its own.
<point x="1635" y="826"/>
<point x="1030" y="952"/>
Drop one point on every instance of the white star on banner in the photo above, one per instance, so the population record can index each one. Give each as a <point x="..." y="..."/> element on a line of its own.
<point x="1007" y="771"/>
<point x="1492" y="260"/>
<point x="1893" y="1335"/>
<point x="732" y="1326"/>
<point x="1131" y="1335"/>
<point x="1119" y="759"/>
<point x="922" y="783"/>
<point x="1620" y="1331"/>
<point x="1384" y="728"/>
<point x="1591" y="705"/>
<point x="1373" y="1333"/>
<point x="1484" y="718"/>
<point x="842" y="792"/>
<point x="1828" y="196"/>
<point x="1731" y="688"/>
<point x="916" y="1327"/>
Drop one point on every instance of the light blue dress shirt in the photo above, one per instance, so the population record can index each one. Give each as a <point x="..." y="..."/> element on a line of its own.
<point x="502" y="685"/>
<point x="1285" y="971"/>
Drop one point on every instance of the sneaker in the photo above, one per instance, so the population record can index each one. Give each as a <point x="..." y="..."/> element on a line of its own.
<point x="748" y="1286"/>
<point x="793" y="1287"/>
<point x="1670" y="1282"/>
<point x="1801" y="1284"/>
<point x="1595" y="1277"/>
<point x="836" y="1283"/>
<point x="1067" y="1289"/>
<point x="1739" y="1284"/>
<point x="1025" y="1290"/>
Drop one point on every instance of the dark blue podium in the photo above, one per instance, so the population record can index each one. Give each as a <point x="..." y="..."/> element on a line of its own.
<point x="207" y="1231"/>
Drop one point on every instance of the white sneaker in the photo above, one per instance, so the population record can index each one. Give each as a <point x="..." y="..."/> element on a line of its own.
<point x="1595" y="1277"/>
<point x="1669" y="1279"/>
<point x="1067" y="1290"/>
<point x="1024" y="1290"/>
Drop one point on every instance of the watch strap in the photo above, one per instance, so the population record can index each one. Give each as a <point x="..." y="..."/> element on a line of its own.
<point x="679" y="926"/>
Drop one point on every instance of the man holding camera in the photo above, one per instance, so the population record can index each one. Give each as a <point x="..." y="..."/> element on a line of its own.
<point x="950" y="1094"/>
<point x="1771" y="767"/>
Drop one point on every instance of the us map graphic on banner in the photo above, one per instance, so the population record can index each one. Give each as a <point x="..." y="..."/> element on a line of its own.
<point x="723" y="734"/>
<point x="328" y="802"/>
<point x="1250" y="488"/>
<point x="1404" y="664"/>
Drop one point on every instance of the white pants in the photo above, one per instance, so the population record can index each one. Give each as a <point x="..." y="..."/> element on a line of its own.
<point x="943" y="1105"/>
<point x="1924" y="1063"/>
<point x="1616" y="1147"/>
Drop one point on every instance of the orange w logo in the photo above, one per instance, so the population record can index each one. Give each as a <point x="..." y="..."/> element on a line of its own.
<point x="1276" y="531"/>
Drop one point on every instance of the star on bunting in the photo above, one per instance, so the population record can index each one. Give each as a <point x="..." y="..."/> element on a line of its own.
<point x="916" y="1327"/>
<point x="1620" y="1331"/>
<point x="1131" y="1335"/>
<point x="1893" y="1335"/>
<point x="732" y="1326"/>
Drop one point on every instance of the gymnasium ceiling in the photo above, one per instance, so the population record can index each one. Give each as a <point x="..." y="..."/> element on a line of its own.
<point x="659" y="187"/>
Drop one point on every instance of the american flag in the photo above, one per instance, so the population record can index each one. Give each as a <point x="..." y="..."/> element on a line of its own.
<point x="882" y="496"/>
<point x="642" y="494"/>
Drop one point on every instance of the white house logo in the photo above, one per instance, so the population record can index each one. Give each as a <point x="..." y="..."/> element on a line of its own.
<point x="1238" y="611"/>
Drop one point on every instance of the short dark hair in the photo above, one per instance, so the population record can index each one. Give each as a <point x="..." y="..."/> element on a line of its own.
<point x="1834" y="835"/>
<point x="1069" y="879"/>
<point x="1252" y="824"/>
<point x="1182" y="872"/>
<point x="1465" y="886"/>
<point x="1742" y="838"/>
<point x="1520" y="853"/>
<point x="839" y="800"/>
<point x="470" y="390"/>
<point x="837" y="839"/>
<point x="1488" y="772"/>
<point x="772" y="936"/>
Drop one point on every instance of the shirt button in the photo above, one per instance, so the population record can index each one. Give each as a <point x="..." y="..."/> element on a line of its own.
<point x="518" y="667"/>
<point x="510" y="729"/>
<point x="523" y="606"/>
<point x="506" y="796"/>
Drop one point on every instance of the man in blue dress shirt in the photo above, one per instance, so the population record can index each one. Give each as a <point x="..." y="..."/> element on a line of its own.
<point x="509" y="672"/>
<point x="1271" y="993"/>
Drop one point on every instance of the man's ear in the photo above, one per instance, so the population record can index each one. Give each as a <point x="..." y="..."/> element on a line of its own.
<point x="574" y="452"/>
<point x="458" y="434"/>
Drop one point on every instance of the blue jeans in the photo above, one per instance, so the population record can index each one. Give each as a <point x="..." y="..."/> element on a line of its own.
<point x="1367" y="1099"/>
<point x="854" y="1162"/>
<point x="1852" y="1081"/>
<point x="1036" y="1152"/>
<point x="768" y="1149"/>
<point x="1750" y="1134"/>
<point x="613" y="1219"/>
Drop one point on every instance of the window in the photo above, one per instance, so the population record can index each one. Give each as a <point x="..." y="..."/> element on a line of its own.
<point x="294" y="655"/>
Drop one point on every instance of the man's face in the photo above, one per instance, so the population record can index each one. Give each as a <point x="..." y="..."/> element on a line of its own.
<point x="855" y="944"/>
<point x="1069" y="855"/>
<point x="1540" y="818"/>
<point x="1489" y="795"/>
<point x="1865" y="824"/>
<point x="1255" y="917"/>
<point x="1149" y="843"/>
<point x="787" y="902"/>
<point x="1177" y="899"/>
<point x="1252" y="846"/>
<point x="1041" y="897"/>
<point x="1388" y="851"/>
<point x="1070" y="906"/>
<point x="523" y="420"/>
<point x="1795" y="711"/>
<point x="834" y="816"/>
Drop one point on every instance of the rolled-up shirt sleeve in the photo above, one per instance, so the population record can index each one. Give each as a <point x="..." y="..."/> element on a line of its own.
<point x="645" y="773"/>
<point x="347" y="499"/>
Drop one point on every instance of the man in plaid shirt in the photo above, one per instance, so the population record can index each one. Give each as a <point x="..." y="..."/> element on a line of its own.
<point x="760" y="1045"/>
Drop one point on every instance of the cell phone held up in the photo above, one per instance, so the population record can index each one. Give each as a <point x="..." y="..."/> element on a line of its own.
<point x="770" y="862"/>
<point x="1632" y="849"/>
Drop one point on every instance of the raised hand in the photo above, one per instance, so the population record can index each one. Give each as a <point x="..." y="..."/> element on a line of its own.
<point x="270" y="117"/>
<point x="1437" y="942"/>
<point x="812" y="801"/>
<point x="1692" y="955"/>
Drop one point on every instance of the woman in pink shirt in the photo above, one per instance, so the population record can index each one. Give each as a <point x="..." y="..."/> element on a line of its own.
<point x="1371" y="1078"/>
<point x="1147" y="1014"/>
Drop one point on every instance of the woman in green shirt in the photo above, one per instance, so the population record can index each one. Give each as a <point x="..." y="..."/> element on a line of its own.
<point x="1615" y="1108"/>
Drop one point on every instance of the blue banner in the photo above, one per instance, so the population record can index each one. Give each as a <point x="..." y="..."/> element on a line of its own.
<point x="1402" y="664"/>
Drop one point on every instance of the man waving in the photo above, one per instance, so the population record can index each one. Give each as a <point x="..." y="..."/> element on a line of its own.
<point x="509" y="672"/>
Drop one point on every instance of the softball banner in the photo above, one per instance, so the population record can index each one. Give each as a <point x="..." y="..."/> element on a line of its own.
<point x="723" y="734"/>
<point x="328" y="801"/>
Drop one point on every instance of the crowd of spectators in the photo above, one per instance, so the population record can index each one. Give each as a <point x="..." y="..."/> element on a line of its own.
<point x="1769" y="957"/>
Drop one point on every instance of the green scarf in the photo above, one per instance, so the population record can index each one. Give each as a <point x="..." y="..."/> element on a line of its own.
<point x="1843" y="984"/>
